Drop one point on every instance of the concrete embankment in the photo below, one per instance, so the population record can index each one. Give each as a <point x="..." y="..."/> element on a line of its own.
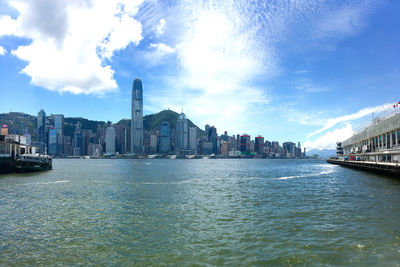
<point x="392" y="169"/>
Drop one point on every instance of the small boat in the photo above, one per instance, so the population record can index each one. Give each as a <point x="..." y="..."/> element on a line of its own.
<point x="16" y="155"/>
<point x="33" y="162"/>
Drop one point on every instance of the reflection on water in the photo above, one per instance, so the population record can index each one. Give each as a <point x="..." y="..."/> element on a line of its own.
<point x="208" y="212"/>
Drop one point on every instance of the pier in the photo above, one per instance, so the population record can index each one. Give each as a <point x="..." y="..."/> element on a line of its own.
<point x="392" y="169"/>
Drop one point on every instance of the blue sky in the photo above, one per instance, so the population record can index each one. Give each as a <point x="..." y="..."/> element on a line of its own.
<point x="309" y="71"/>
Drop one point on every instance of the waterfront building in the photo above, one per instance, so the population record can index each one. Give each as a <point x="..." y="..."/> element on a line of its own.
<point x="28" y="138"/>
<point x="165" y="138"/>
<point x="245" y="143"/>
<point x="68" y="149"/>
<point x="182" y="133"/>
<point x="52" y="141"/>
<point x="41" y="126"/>
<point x="224" y="148"/>
<point x="290" y="149"/>
<point x="259" y="145"/>
<point x="77" y="143"/>
<point x="122" y="139"/>
<point x="378" y="142"/>
<point x="193" y="139"/>
<point x="153" y="142"/>
<point x="207" y="148"/>
<point x="213" y="137"/>
<point x="137" y="117"/>
<point x="95" y="150"/>
<point x="59" y="123"/>
<point x="110" y="140"/>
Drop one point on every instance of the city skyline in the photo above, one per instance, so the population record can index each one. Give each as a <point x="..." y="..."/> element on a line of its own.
<point x="310" y="72"/>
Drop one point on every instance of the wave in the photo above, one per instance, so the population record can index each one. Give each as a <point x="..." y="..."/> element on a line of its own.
<point x="304" y="175"/>
<point x="50" y="182"/>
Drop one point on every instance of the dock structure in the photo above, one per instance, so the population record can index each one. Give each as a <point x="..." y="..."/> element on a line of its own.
<point x="380" y="142"/>
<point x="387" y="168"/>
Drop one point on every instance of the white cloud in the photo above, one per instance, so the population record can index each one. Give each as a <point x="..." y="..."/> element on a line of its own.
<point x="328" y="140"/>
<point x="347" y="19"/>
<point x="225" y="48"/>
<point x="359" y="114"/>
<point x="3" y="51"/>
<point x="8" y="26"/>
<point x="163" y="48"/>
<point x="161" y="27"/>
<point x="217" y="61"/>
<point x="71" y="41"/>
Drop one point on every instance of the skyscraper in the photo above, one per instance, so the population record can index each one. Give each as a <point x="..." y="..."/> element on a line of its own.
<point x="41" y="126"/>
<point x="59" y="123"/>
<point x="259" y="145"/>
<point x="182" y="132"/>
<point x="165" y="138"/>
<point x="137" y="117"/>
<point x="110" y="140"/>
<point x="52" y="141"/>
<point x="193" y="139"/>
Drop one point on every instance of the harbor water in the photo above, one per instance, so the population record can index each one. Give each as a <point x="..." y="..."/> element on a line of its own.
<point x="207" y="212"/>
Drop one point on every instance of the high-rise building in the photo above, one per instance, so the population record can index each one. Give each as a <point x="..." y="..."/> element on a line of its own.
<point x="52" y="141"/>
<point x="182" y="133"/>
<point x="193" y="139"/>
<point x="41" y="126"/>
<point x="259" y="145"/>
<point x="78" y="139"/>
<point x="224" y="148"/>
<point x="137" y="117"/>
<point x="58" y="120"/>
<point x="165" y="138"/>
<point x="212" y="137"/>
<point x="207" y="129"/>
<point x="290" y="149"/>
<point x="121" y="142"/>
<point x="110" y="140"/>
<point x="67" y="145"/>
<point x="153" y="140"/>
<point x="59" y="123"/>
<point x="245" y="143"/>
<point x="207" y="148"/>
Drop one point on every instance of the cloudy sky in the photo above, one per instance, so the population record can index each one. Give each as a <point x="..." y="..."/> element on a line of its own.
<point x="311" y="71"/>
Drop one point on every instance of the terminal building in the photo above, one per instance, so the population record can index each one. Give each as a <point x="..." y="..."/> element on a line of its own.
<point x="380" y="142"/>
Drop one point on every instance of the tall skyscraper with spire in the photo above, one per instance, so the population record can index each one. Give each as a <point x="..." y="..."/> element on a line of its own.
<point x="137" y="117"/>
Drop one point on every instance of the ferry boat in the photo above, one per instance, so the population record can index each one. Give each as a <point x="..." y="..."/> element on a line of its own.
<point x="17" y="156"/>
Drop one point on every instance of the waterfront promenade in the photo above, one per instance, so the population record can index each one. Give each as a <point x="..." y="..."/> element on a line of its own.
<point x="388" y="168"/>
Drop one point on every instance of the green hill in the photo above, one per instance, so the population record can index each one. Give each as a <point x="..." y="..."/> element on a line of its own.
<point x="153" y="121"/>
<point x="70" y="123"/>
<point x="17" y="122"/>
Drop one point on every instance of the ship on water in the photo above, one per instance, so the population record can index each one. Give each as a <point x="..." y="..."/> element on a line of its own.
<point x="17" y="156"/>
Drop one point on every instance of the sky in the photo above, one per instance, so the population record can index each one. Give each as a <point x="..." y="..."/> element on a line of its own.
<point x="307" y="71"/>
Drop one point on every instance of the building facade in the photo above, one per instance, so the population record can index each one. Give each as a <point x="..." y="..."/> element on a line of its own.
<point x="193" y="139"/>
<point x="182" y="135"/>
<point x="110" y="140"/>
<point x="379" y="142"/>
<point x="137" y="117"/>
<point x="165" y="137"/>
<point x="41" y="126"/>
